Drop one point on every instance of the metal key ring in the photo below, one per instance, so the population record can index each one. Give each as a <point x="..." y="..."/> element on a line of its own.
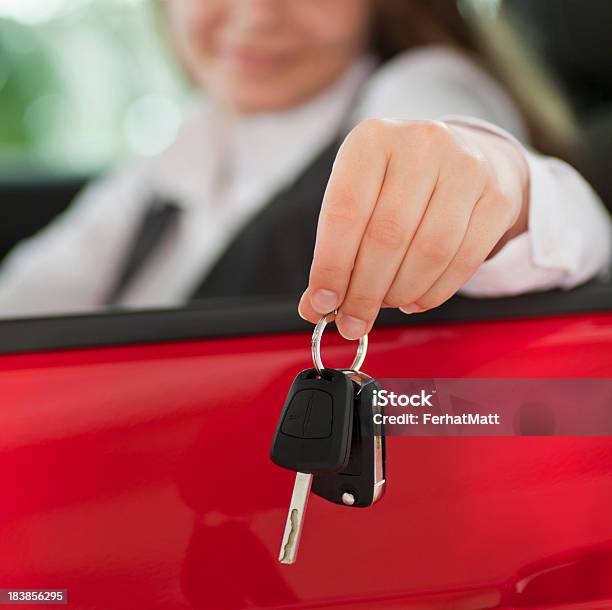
<point x="317" y="334"/>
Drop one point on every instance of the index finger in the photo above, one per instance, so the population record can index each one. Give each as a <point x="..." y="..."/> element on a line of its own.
<point x="352" y="191"/>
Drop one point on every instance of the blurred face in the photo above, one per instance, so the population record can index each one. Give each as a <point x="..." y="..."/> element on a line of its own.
<point x="262" y="55"/>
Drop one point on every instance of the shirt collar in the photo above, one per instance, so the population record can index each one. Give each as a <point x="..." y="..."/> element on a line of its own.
<point x="262" y="150"/>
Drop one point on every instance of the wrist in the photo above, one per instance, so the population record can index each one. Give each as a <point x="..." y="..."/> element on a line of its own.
<point x="517" y="175"/>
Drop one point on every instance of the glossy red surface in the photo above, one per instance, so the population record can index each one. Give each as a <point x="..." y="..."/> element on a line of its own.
<point x="138" y="478"/>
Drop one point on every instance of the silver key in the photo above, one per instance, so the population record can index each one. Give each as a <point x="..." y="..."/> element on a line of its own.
<point x="295" y="518"/>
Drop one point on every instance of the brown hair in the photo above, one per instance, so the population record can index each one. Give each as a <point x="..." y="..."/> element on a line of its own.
<point x="403" y="24"/>
<point x="492" y="42"/>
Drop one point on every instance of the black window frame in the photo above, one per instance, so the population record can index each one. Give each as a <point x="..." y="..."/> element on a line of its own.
<point x="216" y="318"/>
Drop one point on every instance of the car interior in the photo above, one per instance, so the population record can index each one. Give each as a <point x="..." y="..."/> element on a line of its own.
<point x="581" y="72"/>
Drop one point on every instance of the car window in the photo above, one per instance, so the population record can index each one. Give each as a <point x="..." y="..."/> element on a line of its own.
<point x="93" y="94"/>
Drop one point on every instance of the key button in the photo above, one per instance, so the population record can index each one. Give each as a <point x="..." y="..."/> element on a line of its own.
<point x="309" y="415"/>
<point x="318" y="422"/>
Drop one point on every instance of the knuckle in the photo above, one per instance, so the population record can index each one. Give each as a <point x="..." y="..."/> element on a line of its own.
<point x="430" y="132"/>
<point x="467" y="263"/>
<point x="370" y="129"/>
<point x="360" y="305"/>
<point x="339" y="210"/>
<point x="500" y="202"/>
<point x="472" y="166"/>
<point x="386" y="232"/>
<point x="497" y="197"/>
<point x="327" y="274"/>
<point x="433" y="251"/>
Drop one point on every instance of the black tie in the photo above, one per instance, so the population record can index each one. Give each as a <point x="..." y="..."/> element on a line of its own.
<point x="158" y="222"/>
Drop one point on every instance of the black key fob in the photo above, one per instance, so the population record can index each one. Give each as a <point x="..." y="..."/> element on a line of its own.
<point x="314" y="432"/>
<point x="362" y="482"/>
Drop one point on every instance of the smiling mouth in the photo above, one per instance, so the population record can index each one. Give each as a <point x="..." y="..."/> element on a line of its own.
<point x="254" y="61"/>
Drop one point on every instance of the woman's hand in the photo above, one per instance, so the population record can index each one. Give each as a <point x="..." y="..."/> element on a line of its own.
<point x="411" y="210"/>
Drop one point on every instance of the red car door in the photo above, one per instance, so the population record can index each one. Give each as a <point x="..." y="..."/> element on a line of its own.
<point x="135" y="472"/>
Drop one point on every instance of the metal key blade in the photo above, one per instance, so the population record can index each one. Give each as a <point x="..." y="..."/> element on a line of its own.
<point x="295" y="518"/>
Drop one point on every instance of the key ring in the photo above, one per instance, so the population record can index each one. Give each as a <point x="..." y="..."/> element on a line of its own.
<point x="317" y="334"/>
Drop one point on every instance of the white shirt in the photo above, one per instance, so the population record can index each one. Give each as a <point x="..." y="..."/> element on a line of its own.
<point x="222" y="171"/>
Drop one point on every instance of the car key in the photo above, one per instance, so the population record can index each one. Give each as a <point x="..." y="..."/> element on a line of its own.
<point x="362" y="482"/>
<point x="313" y="437"/>
<point x="306" y="440"/>
<point x="315" y="428"/>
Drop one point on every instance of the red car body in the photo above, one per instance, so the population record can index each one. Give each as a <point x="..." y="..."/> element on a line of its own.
<point x="138" y="477"/>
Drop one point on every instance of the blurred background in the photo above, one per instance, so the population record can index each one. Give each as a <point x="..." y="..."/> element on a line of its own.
<point x="83" y="83"/>
<point x="87" y="84"/>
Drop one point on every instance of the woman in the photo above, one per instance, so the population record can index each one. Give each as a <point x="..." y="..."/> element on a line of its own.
<point x="429" y="193"/>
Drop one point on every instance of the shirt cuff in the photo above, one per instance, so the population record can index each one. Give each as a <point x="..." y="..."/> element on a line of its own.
<point x="568" y="237"/>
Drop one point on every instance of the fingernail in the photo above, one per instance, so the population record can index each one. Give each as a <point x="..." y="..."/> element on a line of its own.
<point x="301" y="314"/>
<point x="299" y="308"/>
<point x="412" y="308"/>
<point x="350" y="327"/>
<point x="324" y="301"/>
